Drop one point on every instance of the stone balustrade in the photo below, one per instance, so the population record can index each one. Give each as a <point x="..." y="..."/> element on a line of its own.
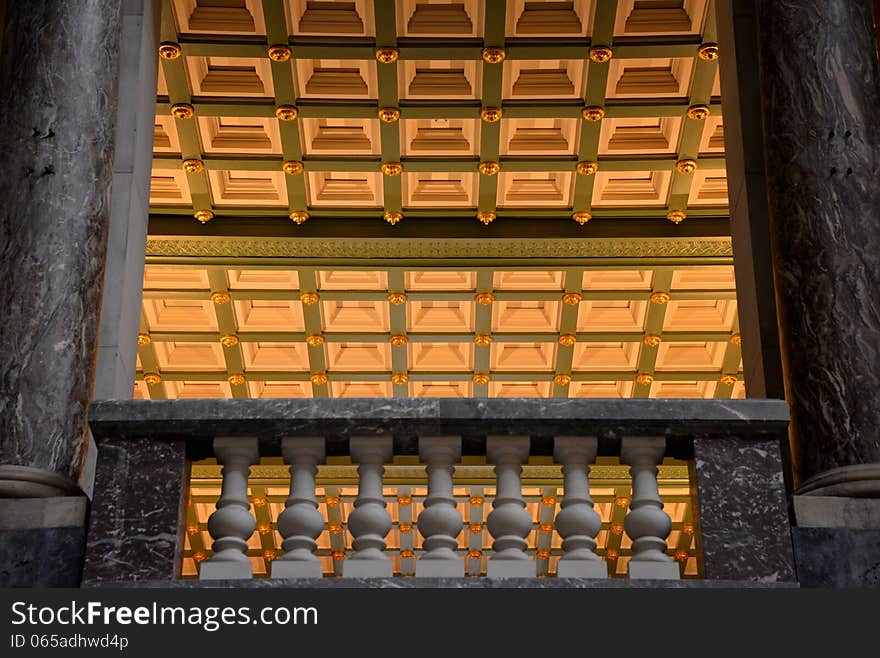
<point x="137" y="523"/>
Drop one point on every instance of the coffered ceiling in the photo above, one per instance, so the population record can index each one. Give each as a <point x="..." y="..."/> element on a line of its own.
<point x="439" y="83"/>
<point x="247" y="303"/>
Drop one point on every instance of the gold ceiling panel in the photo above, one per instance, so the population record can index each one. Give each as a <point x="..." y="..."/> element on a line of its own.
<point x="579" y="332"/>
<point x="217" y="104"/>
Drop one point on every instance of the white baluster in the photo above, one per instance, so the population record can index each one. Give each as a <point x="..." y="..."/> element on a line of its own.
<point x="509" y="523"/>
<point x="300" y="523"/>
<point x="370" y="521"/>
<point x="647" y="524"/>
<point x="440" y="522"/>
<point x="578" y="523"/>
<point x="232" y="524"/>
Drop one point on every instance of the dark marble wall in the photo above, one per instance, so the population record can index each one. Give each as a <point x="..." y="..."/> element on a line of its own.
<point x="58" y="77"/>
<point x="741" y="513"/>
<point x="821" y="105"/>
<point x="41" y="557"/>
<point x="837" y="557"/>
<point x="138" y="512"/>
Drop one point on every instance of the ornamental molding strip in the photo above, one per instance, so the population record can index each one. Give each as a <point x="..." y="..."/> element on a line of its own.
<point x="227" y="248"/>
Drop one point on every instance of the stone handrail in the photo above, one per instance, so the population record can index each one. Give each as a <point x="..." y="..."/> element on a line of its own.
<point x="145" y="448"/>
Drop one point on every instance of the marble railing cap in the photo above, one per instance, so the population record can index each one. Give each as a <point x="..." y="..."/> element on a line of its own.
<point x="337" y="419"/>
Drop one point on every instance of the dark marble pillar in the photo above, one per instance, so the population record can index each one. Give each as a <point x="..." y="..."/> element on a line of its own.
<point x="821" y="115"/>
<point x="138" y="512"/>
<point x="58" y="81"/>
<point x="740" y="512"/>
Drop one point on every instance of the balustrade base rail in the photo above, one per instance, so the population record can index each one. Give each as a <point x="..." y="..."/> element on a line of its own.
<point x="447" y="583"/>
<point x="137" y="524"/>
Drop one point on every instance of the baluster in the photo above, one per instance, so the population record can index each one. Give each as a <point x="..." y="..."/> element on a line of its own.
<point x="578" y="523"/>
<point x="647" y="524"/>
<point x="232" y="523"/>
<point x="440" y="522"/>
<point x="300" y="523"/>
<point x="370" y="521"/>
<point x="509" y="523"/>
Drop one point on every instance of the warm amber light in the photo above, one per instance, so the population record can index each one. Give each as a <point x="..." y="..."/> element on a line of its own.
<point x="567" y="340"/>
<point x="611" y="555"/>
<point x="396" y="298"/>
<point x="169" y="50"/>
<point x="652" y="340"/>
<point x="484" y="298"/>
<point x="387" y="55"/>
<point x="398" y="340"/>
<point x="203" y="216"/>
<point x="286" y="112"/>
<point x="193" y="166"/>
<point x="476" y="500"/>
<point x="264" y="528"/>
<point x="182" y="111"/>
<point x="404" y="501"/>
<point x="708" y="51"/>
<point x="475" y="528"/>
<point x="587" y="167"/>
<point x="236" y="380"/>
<point x="152" y="378"/>
<point x="144" y="339"/>
<point x="601" y="54"/>
<point x="318" y="378"/>
<point x="392" y="168"/>
<point x="407" y="554"/>
<point x="593" y="113"/>
<point x="481" y="378"/>
<point x="562" y="379"/>
<point x="572" y="298"/>
<point x="299" y="216"/>
<point x="548" y="501"/>
<point x="698" y="112"/>
<point x="393" y="217"/>
<point x="686" y="166"/>
<point x="220" y="297"/>
<point x="334" y="528"/>
<point x="399" y="378"/>
<point x="727" y="380"/>
<point x="489" y="168"/>
<point x="621" y="501"/>
<point x="314" y="340"/>
<point x="645" y="379"/>
<point x="482" y="339"/>
<point x="493" y="55"/>
<point x="278" y="53"/>
<point x="475" y="555"/>
<point x="309" y="298"/>
<point x="617" y="529"/>
<point x="660" y="297"/>
<point x="259" y="501"/>
<point x="546" y="528"/>
<point x="389" y="114"/>
<point x="543" y="554"/>
<point x="228" y="340"/>
<point x="292" y="167"/>
<point x="486" y="217"/>
<point x="332" y="501"/>
<point x="405" y="528"/>
<point x="676" y="216"/>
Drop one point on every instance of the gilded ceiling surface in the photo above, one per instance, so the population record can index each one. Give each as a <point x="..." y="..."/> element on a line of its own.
<point x="317" y="111"/>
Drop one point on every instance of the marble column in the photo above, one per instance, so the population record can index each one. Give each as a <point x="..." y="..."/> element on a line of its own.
<point x="58" y="74"/>
<point x="821" y="114"/>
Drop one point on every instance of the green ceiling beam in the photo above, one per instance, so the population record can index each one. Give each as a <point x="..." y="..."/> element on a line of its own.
<point x="227" y="326"/>
<point x="386" y="36"/>
<point x="284" y="84"/>
<point x="382" y="337"/>
<point x="561" y="163"/>
<point x="574" y="278"/>
<point x="149" y="362"/>
<point x="444" y="296"/>
<point x="483" y="325"/>
<point x="597" y="81"/>
<point x="308" y="282"/>
<point x="316" y="109"/>
<point x="653" y="325"/>
<point x="431" y="376"/>
<point x="692" y="130"/>
<point x="490" y="133"/>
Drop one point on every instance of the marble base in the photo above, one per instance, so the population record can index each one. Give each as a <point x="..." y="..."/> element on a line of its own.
<point x="56" y="512"/>
<point x="581" y="569"/>
<point x="138" y="512"/>
<point x="440" y="568"/>
<point x="451" y="583"/>
<point x="511" y="568"/>
<point x="354" y="568"/>
<point x="836" y="512"/>
<point x="837" y="557"/>
<point x="42" y="557"/>
<point x="226" y="570"/>
<point x="855" y="481"/>
<point x="653" y="570"/>
<point x="296" y="569"/>
<point x="741" y="511"/>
